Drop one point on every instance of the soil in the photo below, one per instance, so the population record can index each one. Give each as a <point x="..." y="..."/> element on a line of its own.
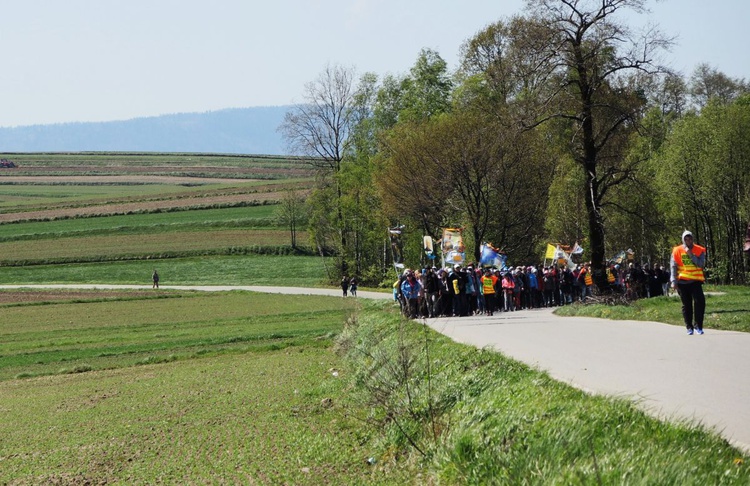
<point x="14" y="297"/>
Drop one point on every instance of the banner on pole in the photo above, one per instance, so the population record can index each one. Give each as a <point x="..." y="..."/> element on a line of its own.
<point x="453" y="247"/>
<point x="397" y="246"/>
<point x="492" y="257"/>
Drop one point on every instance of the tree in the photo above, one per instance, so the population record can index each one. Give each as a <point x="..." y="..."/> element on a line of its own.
<point x="593" y="72"/>
<point x="704" y="176"/>
<point x="464" y="169"/>
<point x="320" y="128"/>
<point x="426" y="91"/>
<point x="292" y="213"/>
<point x="709" y="83"/>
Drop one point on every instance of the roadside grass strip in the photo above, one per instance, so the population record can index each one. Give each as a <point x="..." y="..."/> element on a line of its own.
<point x="462" y="415"/>
<point x="727" y="308"/>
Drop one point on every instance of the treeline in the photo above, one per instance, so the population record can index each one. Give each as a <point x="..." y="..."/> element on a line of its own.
<point x="558" y="126"/>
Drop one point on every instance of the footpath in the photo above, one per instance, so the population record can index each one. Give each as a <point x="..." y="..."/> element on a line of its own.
<point x="700" y="379"/>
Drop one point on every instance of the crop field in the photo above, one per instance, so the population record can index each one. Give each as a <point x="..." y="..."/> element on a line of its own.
<point x="123" y="329"/>
<point x="181" y="388"/>
<point x="174" y="164"/>
<point x="160" y="386"/>
<point x="62" y="213"/>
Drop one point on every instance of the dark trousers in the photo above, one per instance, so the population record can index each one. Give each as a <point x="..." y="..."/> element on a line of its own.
<point x="489" y="303"/>
<point x="693" y="303"/>
<point x="413" y="308"/>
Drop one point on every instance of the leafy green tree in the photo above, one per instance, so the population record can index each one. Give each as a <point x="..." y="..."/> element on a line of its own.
<point x="464" y="169"/>
<point x="708" y="83"/>
<point x="704" y="180"/>
<point x="426" y="91"/>
<point x="292" y="213"/>
<point x="591" y="78"/>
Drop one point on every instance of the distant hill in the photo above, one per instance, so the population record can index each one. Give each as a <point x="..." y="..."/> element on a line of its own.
<point x="230" y="131"/>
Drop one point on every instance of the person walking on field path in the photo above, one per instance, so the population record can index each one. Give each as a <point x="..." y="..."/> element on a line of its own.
<point x="344" y="284"/>
<point x="687" y="263"/>
<point x="155" y="278"/>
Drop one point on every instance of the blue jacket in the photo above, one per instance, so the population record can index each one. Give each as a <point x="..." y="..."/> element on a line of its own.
<point x="411" y="291"/>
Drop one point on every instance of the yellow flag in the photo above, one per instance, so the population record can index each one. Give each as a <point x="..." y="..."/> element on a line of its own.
<point x="550" y="251"/>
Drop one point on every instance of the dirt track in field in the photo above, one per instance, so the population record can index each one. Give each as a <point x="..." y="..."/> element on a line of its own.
<point x="102" y="170"/>
<point x="116" y="179"/>
<point x="64" y="296"/>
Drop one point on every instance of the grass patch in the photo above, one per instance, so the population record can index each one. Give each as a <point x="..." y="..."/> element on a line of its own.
<point x="280" y="270"/>
<point x="73" y="337"/>
<point x="235" y="408"/>
<point x="250" y="216"/>
<point x="460" y="415"/>
<point x="234" y="419"/>
<point x="727" y="308"/>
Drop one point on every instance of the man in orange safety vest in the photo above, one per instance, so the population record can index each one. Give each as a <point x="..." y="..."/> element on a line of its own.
<point x="687" y="262"/>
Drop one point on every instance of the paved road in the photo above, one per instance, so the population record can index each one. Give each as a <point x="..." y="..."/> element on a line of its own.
<point x="672" y="375"/>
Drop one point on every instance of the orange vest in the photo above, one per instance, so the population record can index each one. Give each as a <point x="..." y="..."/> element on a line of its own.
<point x="610" y="276"/>
<point x="588" y="280"/>
<point x="686" y="269"/>
<point x="488" y="284"/>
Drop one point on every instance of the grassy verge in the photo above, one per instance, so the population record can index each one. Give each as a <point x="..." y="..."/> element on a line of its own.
<point x="466" y="416"/>
<point x="727" y="308"/>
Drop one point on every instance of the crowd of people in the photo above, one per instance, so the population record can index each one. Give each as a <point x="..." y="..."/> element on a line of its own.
<point x="470" y="290"/>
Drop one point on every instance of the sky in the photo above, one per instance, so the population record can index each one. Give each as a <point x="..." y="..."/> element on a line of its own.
<point x="104" y="60"/>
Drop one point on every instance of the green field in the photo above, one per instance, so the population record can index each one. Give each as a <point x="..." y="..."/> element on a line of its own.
<point x="251" y="216"/>
<point x="162" y="327"/>
<point x="187" y="389"/>
<point x="175" y="387"/>
<point x="244" y="388"/>
<point x="68" y="220"/>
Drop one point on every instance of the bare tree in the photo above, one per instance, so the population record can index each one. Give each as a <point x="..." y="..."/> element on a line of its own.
<point x="321" y="129"/>
<point x="708" y="83"/>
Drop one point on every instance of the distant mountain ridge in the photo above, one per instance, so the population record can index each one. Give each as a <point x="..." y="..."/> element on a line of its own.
<point x="231" y="131"/>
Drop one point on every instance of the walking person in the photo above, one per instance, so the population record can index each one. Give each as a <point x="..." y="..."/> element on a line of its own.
<point x="488" y="290"/>
<point x="686" y="265"/>
<point x="508" y="285"/>
<point x="411" y="290"/>
<point x="344" y="284"/>
<point x="155" y="278"/>
<point x="353" y="286"/>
